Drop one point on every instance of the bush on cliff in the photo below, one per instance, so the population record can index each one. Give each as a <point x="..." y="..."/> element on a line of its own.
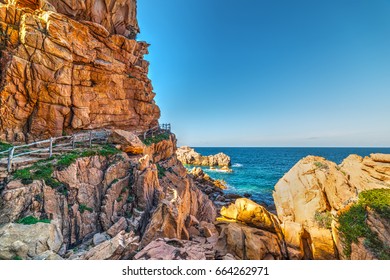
<point x="30" y="220"/>
<point x="156" y="139"/>
<point x="43" y="170"/>
<point x="352" y="223"/>
<point x="4" y="146"/>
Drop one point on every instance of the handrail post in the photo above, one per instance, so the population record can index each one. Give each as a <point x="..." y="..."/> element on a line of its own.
<point x="51" y="148"/>
<point x="10" y="157"/>
<point x="90" y="139"/>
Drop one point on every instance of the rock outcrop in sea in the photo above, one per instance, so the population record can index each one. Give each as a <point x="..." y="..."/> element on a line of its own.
<point x="189" y="156"/>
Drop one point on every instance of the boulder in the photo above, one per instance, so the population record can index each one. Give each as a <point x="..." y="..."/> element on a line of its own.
<point x="117" y="227"/>
<point x="247" y="211"/>
<point x="248" y="243"/>
<point x="100" y="238"/>
<point x="172" y="249"/>
<point x="29" y="241"/>
<point x="126" y="141"/>
<point x="120" y="247"/>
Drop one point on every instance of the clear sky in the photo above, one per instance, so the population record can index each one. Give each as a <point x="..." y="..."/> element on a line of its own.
<point x="271" y="72"/>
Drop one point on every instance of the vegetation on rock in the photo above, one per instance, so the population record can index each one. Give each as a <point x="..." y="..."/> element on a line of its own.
<point x="323" y="219"/>
<point x="156" y="139"/>
<point x="352" y="223"/>
<point x="378" y="200"/>
<point x="30" y="220"/>
<point x="4" y="146"/>
<point x="83" y="208"/>
<point x="161" y="171"/>
<point x="44" y="169"/>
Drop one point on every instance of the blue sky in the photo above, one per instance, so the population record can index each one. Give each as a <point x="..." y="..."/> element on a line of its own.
<point x="271" y="72"/>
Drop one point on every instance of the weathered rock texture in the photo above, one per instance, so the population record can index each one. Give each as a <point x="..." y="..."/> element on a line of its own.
<point x="95" y="199"/>
<point x="59" y="75"/>
<point x="188" y="155"/>
<point x="149" y="195"/>
<point x="28" y="241"/>
<point x="172" y="249"/>
<point x="311" y="196"/>
<point x="117" y="16"/>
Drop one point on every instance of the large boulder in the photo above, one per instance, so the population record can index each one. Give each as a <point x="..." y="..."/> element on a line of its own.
<point x="307" y="194"/>
<point x="173" y="249"/>
<point x="248" y="243"/>
<point x="121" y="246"/>
<point x="311" y="198"/>
<point x="29" y="241"/>
<point x="367" y="173"/>
<point x="247" y="211"/>
<point x="126" y="141"/>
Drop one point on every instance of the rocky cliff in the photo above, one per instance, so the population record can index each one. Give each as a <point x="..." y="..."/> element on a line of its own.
<point x="72" y="65"/>
<point x="75" y="65"/>
<point x="97" y="203"/>
<point x="330" y="211"/>
<point x="107" y="204"/>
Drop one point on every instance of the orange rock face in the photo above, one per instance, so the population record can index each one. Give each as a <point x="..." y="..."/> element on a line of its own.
<point x="59" y="75"/>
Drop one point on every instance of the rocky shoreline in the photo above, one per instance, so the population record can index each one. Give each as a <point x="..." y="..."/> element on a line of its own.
<point x="67" y="67"/>
<point x="147" y="206"/>
<point x="188" y="156"/>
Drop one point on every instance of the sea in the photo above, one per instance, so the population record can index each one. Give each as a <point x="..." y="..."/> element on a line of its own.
<point x="257" y="170"/>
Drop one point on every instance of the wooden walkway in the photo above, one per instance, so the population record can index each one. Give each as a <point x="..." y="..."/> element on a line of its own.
<point x="27" y="154"/>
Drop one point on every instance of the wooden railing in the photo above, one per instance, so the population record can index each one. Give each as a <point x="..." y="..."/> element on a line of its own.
<point x="54" y="144"/>
<point x="158" y="129"/>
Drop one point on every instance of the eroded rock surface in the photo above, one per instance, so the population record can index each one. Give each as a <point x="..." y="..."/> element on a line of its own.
<point x="29" y="241"/>
<point x="59" y="75"/>
<point x="312" y="195"/>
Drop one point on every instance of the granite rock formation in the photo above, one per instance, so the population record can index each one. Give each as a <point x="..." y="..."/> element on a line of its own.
<point x="107" y="207"/>
<point x="312" y="197"/>
<point x="61" y="72"/>
<point x="70" y="65"/>
<point x="188" y="155"/>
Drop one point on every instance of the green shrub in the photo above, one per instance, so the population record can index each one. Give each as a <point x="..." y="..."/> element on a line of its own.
<point x="24" y="175"/>
<point x="321" y="165"/>
<point x="17" y="258"/>
<point x="352" y="223"/>
<point x="66" y="160"/>
<point x="83" y="207"/>
<point x="30" y="220"/>
<point x="108" y="150"/>
<point x="130" y="199"/>
<point x="38" y="172"/>
<point x="161" y="171"/>
<point x="379" y="200"/>
<point x="323" y="219"/>
<point x="156" y="139"/>
<point x="4" y="146"/>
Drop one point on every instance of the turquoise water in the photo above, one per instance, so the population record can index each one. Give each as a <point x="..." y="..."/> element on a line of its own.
<point x="257" y="170"/>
